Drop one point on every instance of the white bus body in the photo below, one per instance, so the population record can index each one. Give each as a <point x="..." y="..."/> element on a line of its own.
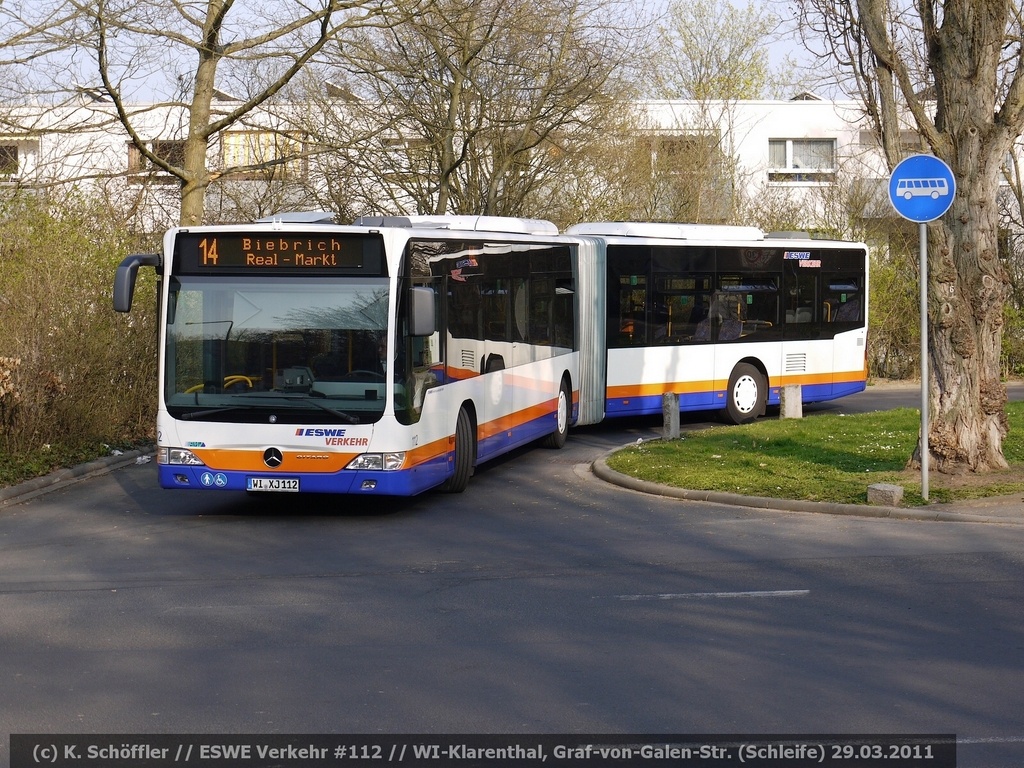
<point x="393" y="355"/>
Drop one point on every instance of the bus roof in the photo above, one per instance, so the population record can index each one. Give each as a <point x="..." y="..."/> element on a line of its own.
<point x="665" y="231"/>
<point x="505" y="224"/>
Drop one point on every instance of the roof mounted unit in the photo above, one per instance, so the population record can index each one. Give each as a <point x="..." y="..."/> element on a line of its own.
<point x="789" y="235"/>
<point x="298" y="217"/>
<point x="666" y="231"/>
<point x="507" y="224"/>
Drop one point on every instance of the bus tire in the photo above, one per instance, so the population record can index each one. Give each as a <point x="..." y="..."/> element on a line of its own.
<point x="557" y="438"/>
<point x="465" y="454"/>
<point x="747" y="395"/>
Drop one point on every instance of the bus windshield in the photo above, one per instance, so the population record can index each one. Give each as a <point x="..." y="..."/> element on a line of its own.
<point x="248" y="349"/>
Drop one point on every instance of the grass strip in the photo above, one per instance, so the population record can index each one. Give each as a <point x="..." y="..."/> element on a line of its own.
<point x="823" y="457"/>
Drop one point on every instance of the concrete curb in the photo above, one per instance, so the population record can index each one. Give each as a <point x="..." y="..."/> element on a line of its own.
<point x="601" y="469"/>
<point x="62" y="478"/>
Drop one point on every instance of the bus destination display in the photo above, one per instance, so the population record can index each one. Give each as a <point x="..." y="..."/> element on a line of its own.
<point x="303" y="252"/>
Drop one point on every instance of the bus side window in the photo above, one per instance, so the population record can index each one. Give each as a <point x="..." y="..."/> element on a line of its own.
<point x="632" y="324"/>
<point x="495" y="295"/>
<point x="679" y="316"/>
<point x="563" y="312"/>
<point x="761" y="302"/>
<point x="730" y="313"/>
<point x="681" y="303"/>
<point x="842" y="301"/>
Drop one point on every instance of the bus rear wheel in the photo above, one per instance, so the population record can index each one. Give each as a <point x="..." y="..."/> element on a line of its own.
<point x="557" y="438"/>
<point x="747" y="395"/>
<point x="465" y="454"/>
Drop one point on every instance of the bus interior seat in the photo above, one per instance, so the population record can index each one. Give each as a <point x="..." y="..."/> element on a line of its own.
<point x="848" y="311"/>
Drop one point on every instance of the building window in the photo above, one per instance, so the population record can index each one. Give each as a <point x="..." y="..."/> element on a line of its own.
<point x="687" y="155"/>
<point x="910" y="141"/>
<point x="691" y="177"/>
<point x="172" y="152"/>
<point x="8" y="160"/>
<point x="802" y="160"/>
<point x="265" y="155"/>
<point x="409" y="157"/>
<point x="136" y="161"/>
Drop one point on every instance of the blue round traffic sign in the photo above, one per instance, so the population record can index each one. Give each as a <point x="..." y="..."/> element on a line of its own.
<point x="921" y="188"/>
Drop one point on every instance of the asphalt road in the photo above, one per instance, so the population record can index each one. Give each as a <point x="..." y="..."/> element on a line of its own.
<point x="540" y="601"/>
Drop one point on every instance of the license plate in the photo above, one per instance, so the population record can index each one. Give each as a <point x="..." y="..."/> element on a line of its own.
<point x="288" y="484"/>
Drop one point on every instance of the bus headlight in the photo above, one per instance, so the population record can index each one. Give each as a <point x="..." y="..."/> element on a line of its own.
<point x="178" y="456"/>
<point x="387" y="462"/>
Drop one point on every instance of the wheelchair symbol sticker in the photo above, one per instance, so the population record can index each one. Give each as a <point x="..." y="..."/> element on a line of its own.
<point x="209" y="480"/>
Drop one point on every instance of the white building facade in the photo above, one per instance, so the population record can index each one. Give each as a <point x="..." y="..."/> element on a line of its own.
<point x="799" y="150"/>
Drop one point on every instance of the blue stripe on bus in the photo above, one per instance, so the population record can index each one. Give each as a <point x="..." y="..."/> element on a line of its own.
<point x="642" y="405"/>
<point x="842" y="389"/>
<point x="407" y="482"/>
<point x="646" y="405"/>
<point x="521" y="434"/>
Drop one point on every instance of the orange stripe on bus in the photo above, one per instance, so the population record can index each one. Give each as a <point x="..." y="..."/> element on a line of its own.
<point x="293" y="461"/>
<point x="251" y="460"/>
<point x="679" y="387"/>
<point x="426" y="453"/>
<point x="512" y="421"/>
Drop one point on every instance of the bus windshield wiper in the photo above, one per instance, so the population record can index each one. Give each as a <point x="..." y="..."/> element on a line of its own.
<point x="202" y="413"/>
<point x="348" y="418"/>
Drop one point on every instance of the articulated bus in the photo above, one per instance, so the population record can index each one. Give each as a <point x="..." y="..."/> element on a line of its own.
<point x="394" y="355"/>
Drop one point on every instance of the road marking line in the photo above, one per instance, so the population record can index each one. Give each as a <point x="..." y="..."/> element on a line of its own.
<point x="714" y="595"/>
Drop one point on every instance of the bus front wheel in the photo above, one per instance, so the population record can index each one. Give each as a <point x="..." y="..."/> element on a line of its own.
<point x="465" y="454"/>
<point x="747" y="395"/>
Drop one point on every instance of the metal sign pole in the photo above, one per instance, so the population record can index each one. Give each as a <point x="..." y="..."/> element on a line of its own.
<point x="921" y="189"/>
<point x="924" y="358"/>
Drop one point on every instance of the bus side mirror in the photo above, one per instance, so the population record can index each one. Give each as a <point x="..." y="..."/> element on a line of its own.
<point x="421" y="311"/>
<point x="124" y="279"/>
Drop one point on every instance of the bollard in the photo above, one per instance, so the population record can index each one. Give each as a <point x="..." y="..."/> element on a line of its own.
<point x="670" y="416"/>
<point x="885" y="494"/>
<point x="791" y="402"/>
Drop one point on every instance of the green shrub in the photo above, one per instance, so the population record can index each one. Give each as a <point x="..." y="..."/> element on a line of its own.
<point x="73" y="372"/>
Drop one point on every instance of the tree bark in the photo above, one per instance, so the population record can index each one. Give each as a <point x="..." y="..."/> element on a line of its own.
<point x="967" y="283"/>
<point x="967" y="289"/>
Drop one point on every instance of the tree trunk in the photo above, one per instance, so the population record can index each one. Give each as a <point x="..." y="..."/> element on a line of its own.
<point x="197" y="176"/>
<point x="966" y="293"/>
<point x="193" y="202"/>
<point x="967" y="282"/>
